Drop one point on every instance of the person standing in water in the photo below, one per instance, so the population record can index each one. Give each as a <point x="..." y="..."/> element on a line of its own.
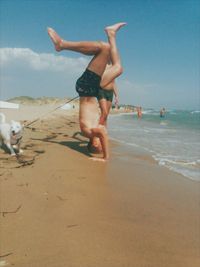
<point x="139" y="112"/>
<point x="162" y="113"/>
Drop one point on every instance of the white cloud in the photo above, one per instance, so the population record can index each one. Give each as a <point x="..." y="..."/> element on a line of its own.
<point x="136" y="87"/>
<point x="40" y="61"/>
<point x="25" y="72"/>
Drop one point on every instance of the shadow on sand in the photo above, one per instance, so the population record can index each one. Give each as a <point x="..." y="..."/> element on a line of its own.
<point x="77" y="144"/>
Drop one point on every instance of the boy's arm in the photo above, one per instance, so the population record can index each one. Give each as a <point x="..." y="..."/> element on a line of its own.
<point x="101" y="133"/>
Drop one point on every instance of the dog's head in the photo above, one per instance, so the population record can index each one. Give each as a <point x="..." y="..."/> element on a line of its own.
<point x="15" y="128"/>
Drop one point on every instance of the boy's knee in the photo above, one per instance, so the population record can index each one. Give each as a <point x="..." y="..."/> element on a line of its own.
<point x="119" y="69"/>
<point x="102" y="129"/>
<point x="105" y="47"/>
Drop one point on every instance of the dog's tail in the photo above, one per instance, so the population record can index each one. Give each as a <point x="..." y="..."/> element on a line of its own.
<point x="2" y="118"/>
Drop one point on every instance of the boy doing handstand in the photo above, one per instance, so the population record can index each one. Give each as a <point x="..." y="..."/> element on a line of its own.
<point x="97" y="75"/>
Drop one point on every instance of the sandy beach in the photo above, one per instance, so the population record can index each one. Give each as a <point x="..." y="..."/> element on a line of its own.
<point x="60" y="209"/>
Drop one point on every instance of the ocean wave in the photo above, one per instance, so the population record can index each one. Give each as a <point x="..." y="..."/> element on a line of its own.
<point x="173" y="146"/>
<point x="195" y="111"/>
<point x="163" y="161"/>
<point x="150" y="112"/>
<point x="189" y="169"/>
<point x="191" y="174"/>
<point x="124" y="142"/>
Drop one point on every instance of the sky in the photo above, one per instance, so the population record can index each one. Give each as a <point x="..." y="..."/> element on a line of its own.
<point x="159" y="48"/>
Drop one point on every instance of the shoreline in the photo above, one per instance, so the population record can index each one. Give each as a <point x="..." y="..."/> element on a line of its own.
<point x="167" y="142"/>
<point x="61" y="209"/>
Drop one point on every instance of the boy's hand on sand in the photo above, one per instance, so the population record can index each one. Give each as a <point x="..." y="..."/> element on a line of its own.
<point x="100" y="126"/>
<point x="98" y="159"/>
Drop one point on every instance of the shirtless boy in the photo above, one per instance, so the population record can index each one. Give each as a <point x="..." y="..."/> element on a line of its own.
<point x="97" y="74"/>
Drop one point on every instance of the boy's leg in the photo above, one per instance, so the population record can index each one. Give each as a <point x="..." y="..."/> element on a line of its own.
<point x="100" y="50"/>
<point x="116" y="69"/>
<point x="84" y="47"/>
<point x="105" y="107"/>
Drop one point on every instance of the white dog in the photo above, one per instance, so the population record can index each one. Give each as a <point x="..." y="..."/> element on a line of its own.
<point x="10" y="134"/>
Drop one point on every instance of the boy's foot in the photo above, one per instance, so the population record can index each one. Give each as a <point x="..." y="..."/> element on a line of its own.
<point x="55" y="39"/>
<point x="114" y="28"/>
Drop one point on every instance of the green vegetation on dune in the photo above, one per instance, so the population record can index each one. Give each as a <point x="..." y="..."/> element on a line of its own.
<point x="21" y="98"/>
<point x="39" y="100"/>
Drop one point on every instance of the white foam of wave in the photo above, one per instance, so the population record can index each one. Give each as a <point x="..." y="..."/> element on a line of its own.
<point x="158" y="130"/>
<point x="164" y="161"/>
<point x="121" y="114"/>
<point x="187" y="169"/>
<point x="123" y="142"/>
<point x="151" y="112"/>
<point x="122" y="130"/>
<point x="192" y="175"/>
<point x="163" y="123"/>
<point x="172" y="113"/>
<point x="195" y="111"/>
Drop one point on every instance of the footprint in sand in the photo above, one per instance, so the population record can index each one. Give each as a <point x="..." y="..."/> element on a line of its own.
<point x="39" y="151"/>
<point x="49" y="137"/>
<point x="28" y="146"/>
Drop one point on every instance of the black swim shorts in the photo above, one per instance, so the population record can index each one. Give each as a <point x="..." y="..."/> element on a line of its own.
<point x="88" y="84"/>
<point x="105" y="94"/>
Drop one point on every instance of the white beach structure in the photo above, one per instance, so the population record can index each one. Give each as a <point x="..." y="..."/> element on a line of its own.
<point x="67" y="106"/>
<point x="4" y="104"/>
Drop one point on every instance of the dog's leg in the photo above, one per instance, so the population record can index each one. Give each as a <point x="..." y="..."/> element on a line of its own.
<point x="11" y="149"/>
<point x="20" y="151"/>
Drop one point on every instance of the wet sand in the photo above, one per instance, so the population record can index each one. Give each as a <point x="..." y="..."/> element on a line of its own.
<point x="60" y="209"/>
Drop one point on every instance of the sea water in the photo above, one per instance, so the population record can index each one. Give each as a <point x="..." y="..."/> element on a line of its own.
<point x="173" y="141"/>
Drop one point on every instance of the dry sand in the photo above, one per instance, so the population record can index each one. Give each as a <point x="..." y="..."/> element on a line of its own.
<point x="60" y="209"/>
